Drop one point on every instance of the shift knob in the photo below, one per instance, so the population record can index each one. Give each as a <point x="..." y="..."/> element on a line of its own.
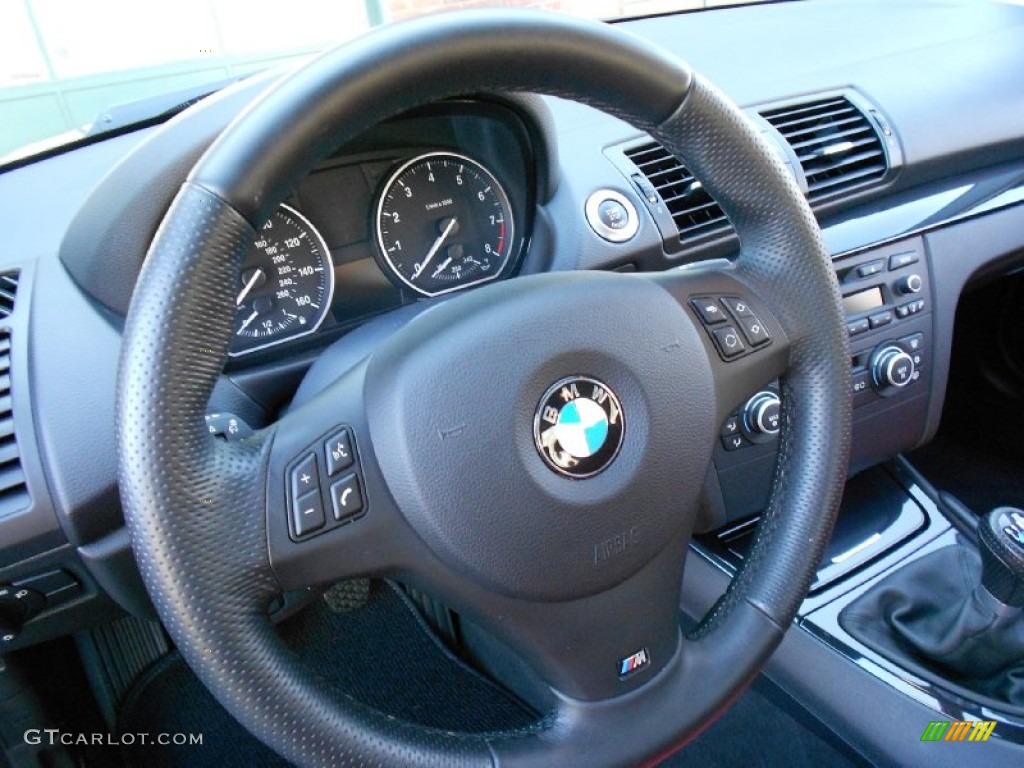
<point x="1001" y="538"/>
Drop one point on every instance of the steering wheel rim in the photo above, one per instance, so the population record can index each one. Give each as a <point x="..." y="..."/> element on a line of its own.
<point x="190" y="501"/>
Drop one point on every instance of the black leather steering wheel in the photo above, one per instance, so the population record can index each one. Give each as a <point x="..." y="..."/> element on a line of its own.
<point x="458" y="498"/>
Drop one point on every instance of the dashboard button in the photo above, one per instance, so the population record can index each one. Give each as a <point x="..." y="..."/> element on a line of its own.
<point x="338" y="450"/>
<point x="880" y="319"/>
<point x="900" y="260"/>
<point x="728" y="340"/>
<point x="731" y="426"/>
<point x="754" y="330"/>
<point x="858" y="326"/>
<point x="871" y="268"/>
<point x="708" y="309"/>
<point x="308" y="514"/>
<point x="612" y="216"/>
<point x="914" y="342"/>
<point x="304" y="477"/>
<point x="346" y="498"/>
<point x="861" y="386"/>
<point x="734" y="442"/>
<point x="737" y="307"/>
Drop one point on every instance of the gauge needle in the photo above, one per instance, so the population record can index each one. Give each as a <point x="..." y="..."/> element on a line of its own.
<point x="442" y="267"/>
<point x="248" y="320"/>
<point x="248" y="287"/>
<point x="434" y="249"/>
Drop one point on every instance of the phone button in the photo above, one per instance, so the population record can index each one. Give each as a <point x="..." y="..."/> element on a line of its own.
<point x="346" y="498"/>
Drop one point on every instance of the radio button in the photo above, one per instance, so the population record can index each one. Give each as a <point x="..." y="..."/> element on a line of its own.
<point x="858" y="326"/>
<point x="882" y="318"/>
<point x="900" y="260"/>
<point x="909" y="285"/>
<point x="871" y="268"/>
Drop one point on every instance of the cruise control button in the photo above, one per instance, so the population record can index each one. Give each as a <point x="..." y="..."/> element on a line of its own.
<point x="308" y="514"/>
<point x="737" y="306"/>
<point x="304" y="477"/>
<point x="346" y="498"/>
<point x="728" y="341"/>
<point x="754" y="330"/>
<point x="338" y="450"/>
<point x="708" y="309"/>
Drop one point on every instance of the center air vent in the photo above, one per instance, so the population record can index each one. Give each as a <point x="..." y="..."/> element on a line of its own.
<point x="696" y="215"/>
<point x="8" y="292"/>
<point x="13" y="493"/>
<point x="837" y="145"/>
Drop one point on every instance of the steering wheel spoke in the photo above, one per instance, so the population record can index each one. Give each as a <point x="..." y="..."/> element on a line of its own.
<point x="746" y="344"/>
<point x="330" y="515"/>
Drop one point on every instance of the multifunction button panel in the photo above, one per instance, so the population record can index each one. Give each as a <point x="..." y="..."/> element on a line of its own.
<point x="325" y="488"/>
<point x="732" y="324"/>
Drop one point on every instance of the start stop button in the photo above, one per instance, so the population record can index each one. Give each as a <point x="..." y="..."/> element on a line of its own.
<point x="612" y="216"/>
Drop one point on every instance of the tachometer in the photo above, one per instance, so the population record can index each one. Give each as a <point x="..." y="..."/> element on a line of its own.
<point x="286" y="284"/>
<point x="443" y="223"/>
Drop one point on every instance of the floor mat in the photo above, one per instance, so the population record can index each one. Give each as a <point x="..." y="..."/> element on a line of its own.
<point x="424" y="684"/>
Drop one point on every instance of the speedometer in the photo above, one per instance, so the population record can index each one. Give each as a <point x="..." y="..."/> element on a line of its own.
<point x="443" y="223"/>
<point x="286" y="284"/>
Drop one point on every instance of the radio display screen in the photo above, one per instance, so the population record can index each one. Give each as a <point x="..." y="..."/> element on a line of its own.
<point x="862" y="301"/>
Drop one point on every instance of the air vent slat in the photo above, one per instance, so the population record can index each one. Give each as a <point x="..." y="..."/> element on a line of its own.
<point x="8" y="292"/>
<point x="816" y="165"/>
<point x="813" y="117"/>
<point x="837" y="146"/>
<point x="8" y="453"/>
<point x="694" y="211"/>
<point x="846" y="178"/>
<point x="839" y="136"/>
<point x="784" y="113"/>
<point x="14" y="495"/>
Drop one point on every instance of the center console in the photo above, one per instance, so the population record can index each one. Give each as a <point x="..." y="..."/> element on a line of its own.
<point x="887" y="296"/>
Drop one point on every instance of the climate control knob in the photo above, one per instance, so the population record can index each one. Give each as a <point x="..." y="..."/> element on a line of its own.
<point x="762" y="414"/>
<point x="891" y="369"/>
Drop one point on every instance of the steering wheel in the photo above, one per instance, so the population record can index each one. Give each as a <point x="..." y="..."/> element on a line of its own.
<point x="474" y="482"/>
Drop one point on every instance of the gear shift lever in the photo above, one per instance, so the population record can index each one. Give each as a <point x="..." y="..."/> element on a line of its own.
<point x="1001" y="540"/>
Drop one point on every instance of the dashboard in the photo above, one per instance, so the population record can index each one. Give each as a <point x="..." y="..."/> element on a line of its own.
<point x="435" y="202"/>
<point x="901" y="120"/>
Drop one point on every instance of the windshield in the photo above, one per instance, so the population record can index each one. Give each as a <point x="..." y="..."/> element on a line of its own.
<point x="76" y="68"/>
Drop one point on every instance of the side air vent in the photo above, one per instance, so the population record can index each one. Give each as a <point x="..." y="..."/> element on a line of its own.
<point x="13" y="492"/>
<point x="8" y="292"/>
<point x="837" y="145"/>
<point x="696" y="215"/>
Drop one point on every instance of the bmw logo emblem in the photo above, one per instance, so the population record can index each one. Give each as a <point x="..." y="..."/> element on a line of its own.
<point x="578" y="426"/>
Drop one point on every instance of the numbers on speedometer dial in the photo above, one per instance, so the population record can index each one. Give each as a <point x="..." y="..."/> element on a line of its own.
<point x="286" y="284"/>
<point x="443" y="223"/>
